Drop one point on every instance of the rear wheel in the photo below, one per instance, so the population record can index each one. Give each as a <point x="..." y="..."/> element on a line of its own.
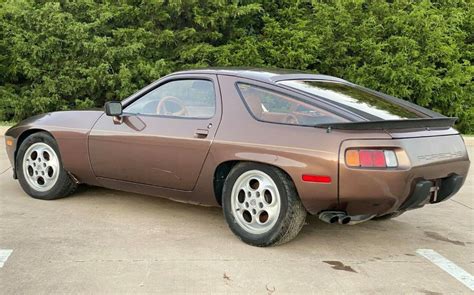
<point x="40" y="170"/>
<point x="261" y="205"/>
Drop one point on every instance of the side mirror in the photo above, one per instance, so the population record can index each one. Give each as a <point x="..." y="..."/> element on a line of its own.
<point x="113" y="108"/>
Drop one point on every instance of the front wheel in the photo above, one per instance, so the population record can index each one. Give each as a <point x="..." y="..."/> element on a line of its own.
<point x="261" y="205"/>
<point x="40" y="170"/>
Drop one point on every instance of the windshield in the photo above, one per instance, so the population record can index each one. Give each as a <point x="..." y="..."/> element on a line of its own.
<point x="356" y="98"/>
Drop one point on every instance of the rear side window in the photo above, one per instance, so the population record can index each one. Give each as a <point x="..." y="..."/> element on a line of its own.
<point x="270" y="106"/>
<point x="356" y="98"/>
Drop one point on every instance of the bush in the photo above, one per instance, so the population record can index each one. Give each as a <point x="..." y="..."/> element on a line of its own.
<point x="79" y="54"/>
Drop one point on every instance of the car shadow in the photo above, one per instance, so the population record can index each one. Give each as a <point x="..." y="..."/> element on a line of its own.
<point x="314" y="232"/>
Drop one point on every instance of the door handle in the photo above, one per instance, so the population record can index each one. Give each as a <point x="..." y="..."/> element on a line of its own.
<point x="201" y="133"/>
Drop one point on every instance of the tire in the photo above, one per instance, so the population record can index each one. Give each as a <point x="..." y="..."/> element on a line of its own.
<point x="388" y="216"/>
<point x="39" y="168"/>
<point x="261" y="205"/>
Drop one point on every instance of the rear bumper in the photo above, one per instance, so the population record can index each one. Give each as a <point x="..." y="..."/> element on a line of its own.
<point x="432" y="192"/>
<point x="431" y="170"/>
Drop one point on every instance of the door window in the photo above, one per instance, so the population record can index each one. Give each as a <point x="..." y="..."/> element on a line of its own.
<point x="190" y="98"/>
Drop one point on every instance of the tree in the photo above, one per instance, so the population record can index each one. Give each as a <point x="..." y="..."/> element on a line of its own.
<point x="58" y="55"/>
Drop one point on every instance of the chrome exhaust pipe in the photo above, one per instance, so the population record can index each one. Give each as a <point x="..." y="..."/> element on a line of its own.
<point x="344" y="219"/>
<point x="335" y="216"/>
<point x="329" y="216"/>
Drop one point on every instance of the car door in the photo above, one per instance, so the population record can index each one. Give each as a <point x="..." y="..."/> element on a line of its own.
<point x="163" y="136"/>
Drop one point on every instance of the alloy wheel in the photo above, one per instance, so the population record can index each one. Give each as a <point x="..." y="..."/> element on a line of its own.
<point x="41" y="167"/>
<point x="255" y="202"/>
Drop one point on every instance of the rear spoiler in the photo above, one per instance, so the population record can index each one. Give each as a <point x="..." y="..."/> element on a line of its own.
<point x="444" y="122"/>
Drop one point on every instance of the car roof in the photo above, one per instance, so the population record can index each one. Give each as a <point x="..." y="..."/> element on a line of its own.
<point x="268" y="75"/>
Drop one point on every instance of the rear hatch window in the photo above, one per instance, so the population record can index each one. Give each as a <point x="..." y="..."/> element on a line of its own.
<point x="357" y="100"/>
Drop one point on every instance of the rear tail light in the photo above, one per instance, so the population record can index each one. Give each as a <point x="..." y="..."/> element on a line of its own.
<point x="368" y="158"/>
<point x="390" y="158"/>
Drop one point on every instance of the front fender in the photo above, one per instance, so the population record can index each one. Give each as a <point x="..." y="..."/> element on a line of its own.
<point x="70" y="129"/>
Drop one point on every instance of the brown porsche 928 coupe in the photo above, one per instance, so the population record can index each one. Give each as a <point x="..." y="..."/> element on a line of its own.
<point x="267" y="146"/>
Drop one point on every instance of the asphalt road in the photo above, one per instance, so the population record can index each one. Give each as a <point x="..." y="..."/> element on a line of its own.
<point x="105" y="241"/>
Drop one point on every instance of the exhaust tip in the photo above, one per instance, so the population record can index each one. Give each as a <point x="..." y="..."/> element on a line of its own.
<point x="334" y="219"/>
<point x="345" y="219"/>
<point x="329" y="217"/>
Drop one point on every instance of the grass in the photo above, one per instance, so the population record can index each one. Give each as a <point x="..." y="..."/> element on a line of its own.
<point x="6" y="123"/>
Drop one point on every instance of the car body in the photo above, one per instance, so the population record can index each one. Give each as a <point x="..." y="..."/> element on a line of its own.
<point x="187" y="158"/>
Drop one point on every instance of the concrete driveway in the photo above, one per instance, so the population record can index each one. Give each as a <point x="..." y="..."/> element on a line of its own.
<point x="104" y="241"/>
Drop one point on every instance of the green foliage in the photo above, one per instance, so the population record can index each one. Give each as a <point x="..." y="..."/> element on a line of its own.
<point x="78" y="54"/>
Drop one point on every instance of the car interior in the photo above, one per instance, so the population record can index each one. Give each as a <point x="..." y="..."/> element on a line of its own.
<point x="274" y="107"/>
<point x="180" y="98"/>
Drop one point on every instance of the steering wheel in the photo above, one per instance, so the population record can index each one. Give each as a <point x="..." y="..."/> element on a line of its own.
<point x="162" y="110"/>
<point x="291" y="119"/>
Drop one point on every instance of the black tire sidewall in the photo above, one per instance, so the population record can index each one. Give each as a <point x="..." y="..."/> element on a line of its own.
<point x="274" y="233"/>
<point x="63" y="178"/>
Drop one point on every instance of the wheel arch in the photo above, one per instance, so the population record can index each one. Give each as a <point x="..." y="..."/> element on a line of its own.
<point x="223" y="169"/>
